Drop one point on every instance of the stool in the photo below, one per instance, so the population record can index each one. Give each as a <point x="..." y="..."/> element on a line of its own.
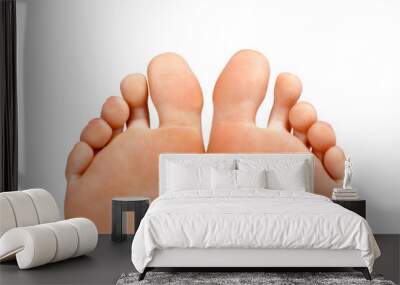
<point x="139" y="205"/>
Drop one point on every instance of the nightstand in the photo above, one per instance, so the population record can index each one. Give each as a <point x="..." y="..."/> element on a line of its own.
<point x="120" y="205"/>
<point x="357" y="206"/>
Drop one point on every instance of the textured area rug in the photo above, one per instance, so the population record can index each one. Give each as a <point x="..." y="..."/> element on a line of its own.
<point x="225" y="278"/>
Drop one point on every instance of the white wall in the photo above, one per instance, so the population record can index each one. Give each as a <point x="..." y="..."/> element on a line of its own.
<point x="72" y="55"/>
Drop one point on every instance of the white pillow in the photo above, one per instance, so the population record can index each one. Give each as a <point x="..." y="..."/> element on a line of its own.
<point x="251" y="178"/>
<point x="187" y="177"/>
<point x="223" y="179"/>
<point x="281" y="174"/>
<point x="293" y="179"/>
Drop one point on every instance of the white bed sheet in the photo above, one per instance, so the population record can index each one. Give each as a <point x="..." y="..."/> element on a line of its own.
<point x="251" y="218"/>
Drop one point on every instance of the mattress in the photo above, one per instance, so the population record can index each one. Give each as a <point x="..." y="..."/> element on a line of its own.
<point x="251" y="219"/>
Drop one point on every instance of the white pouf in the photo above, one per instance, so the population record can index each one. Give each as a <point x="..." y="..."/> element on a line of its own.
<point x="23" y="208"/>
<point x="7" y="218"/>
<point x="32" y="233"/>
<point x="45" y="205"/>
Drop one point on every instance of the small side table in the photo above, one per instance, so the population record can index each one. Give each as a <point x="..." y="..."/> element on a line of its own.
<point x="139" y="205"/>
<point x="357" y="206"/>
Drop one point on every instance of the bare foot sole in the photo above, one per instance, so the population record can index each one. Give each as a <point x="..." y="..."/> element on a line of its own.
<point x="292" y="125"/>
<point x="118" y="153"/>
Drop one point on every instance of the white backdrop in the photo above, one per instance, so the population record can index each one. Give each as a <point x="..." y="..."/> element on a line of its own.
<point x="72" y="55"/>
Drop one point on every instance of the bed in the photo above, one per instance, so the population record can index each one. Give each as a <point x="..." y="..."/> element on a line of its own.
<point x="245" y="211"/>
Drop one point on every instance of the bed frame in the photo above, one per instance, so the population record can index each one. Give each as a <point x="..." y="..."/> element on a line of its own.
<point x="260" y="259"/>
<point x="247" y="259"/>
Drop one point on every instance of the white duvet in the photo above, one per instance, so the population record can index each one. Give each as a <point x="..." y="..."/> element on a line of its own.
<point x="250" y="219"/>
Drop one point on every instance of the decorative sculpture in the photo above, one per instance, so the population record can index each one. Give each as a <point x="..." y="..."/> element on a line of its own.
<point x="348" y="173"/>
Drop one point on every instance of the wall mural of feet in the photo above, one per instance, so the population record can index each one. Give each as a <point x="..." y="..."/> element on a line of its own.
<point x="118" y="153"/>
<point x="292" y="126"/>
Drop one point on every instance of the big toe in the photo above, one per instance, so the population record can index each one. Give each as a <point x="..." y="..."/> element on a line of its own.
<point x="175" y="91"/>
<point x="241" y="87"/>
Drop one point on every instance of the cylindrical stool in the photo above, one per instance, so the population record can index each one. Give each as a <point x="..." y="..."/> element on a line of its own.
<point x="139" y="205"/>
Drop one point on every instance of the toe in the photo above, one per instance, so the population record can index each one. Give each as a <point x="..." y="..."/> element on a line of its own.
<point x="78" y="160"/>
<point x="334" y="162"/>
<point x="286" y="93"/>
<point x="301" y="117"/>
<point x="115" y="112"/>
<point x="175" y="91"/>
<point x="321" y="137"/>
<point x="241" y="87"/>
<point x="134" y="91"/>
<point x="96" y="134"/>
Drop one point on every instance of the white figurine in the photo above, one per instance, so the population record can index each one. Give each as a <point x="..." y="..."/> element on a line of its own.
<point x="348" y="173"/>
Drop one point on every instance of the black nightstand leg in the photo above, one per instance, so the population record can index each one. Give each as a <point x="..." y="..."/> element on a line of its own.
<point x="142" y="275"/>
<point x="364" y="271"/>
<point x="117" y="220"/>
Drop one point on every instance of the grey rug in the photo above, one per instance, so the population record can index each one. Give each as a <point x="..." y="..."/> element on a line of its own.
<point x="225" y="278"/>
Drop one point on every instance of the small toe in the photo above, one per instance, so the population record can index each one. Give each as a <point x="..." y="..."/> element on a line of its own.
<point x="321" y="137"/>
<point x="334" y="162"/>
<point x="115" y="112"/>
<point x="134" y="90"/>
<point x="287" y="91"/>
<point x="78" y="160"/>
<point x="97" y="133"/>
<point x="301" y="117"/>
